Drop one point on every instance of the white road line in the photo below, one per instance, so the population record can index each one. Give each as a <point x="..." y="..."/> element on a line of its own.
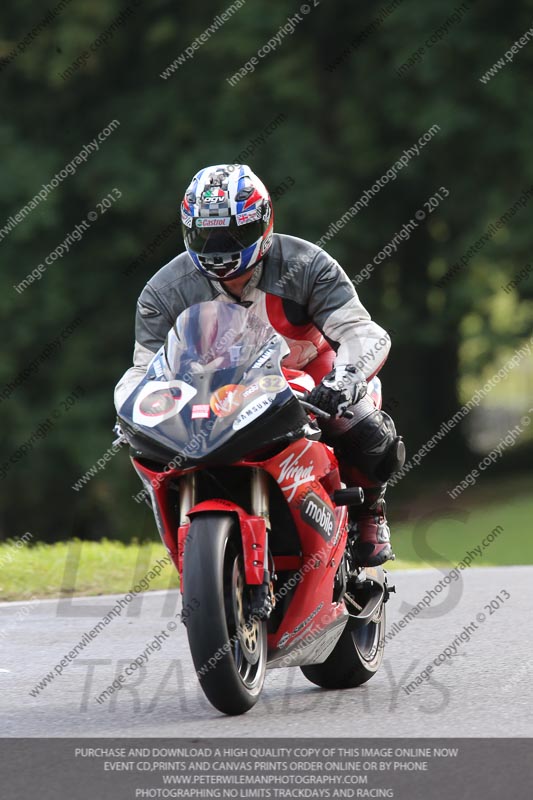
<point x="159" y="592"/>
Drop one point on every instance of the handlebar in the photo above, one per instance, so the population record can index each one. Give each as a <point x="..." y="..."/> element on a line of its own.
<point x="314" y="409"/>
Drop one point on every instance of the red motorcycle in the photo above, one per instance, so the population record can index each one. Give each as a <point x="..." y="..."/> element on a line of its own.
<point x="249" y="504"/>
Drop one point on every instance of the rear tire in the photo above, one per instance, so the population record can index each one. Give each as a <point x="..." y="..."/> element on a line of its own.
<point x="229" y="656"/>
<point x="357" y="656"/>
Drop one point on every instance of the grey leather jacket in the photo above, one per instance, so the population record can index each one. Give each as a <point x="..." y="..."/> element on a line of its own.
<point x="300" y="289"/>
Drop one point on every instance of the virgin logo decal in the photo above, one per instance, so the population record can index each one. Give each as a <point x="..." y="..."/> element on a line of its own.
<point x="292" y="470"/>
<point x="227" y="400"/>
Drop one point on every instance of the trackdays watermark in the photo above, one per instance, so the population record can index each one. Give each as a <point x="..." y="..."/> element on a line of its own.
<point x="452" y="576"/>
<point x="141" y="585"/>
<point x="75" y="235"/>
<point x="149" y="691"/>
<point x="140" y="661"/>
<point x="155" y="645"/>
<point x="287" y="29"/>
<point x="69" y="169"/>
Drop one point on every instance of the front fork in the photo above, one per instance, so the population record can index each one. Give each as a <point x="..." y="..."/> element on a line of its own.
<point x="259" y="503"/>
<point x="188" y="492"/>
<point x="258" y="495"/>
<point x="262" y="600"/>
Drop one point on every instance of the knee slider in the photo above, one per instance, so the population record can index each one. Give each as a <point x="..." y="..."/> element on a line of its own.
<point x="371" y="444"/>
<point x="393" y="461"/>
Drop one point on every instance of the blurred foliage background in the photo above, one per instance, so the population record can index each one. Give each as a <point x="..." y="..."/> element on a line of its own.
<point x="343" y="127"/>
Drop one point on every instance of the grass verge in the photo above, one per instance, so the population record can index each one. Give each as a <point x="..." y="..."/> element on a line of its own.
<point x="446" y="540"/>
<point x="80" y="568"/>
<point x="111" y="567"/>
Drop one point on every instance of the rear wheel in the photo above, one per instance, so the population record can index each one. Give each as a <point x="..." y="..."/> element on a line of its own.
<point x="356" y="657"/>
<point x="229" y="653"/>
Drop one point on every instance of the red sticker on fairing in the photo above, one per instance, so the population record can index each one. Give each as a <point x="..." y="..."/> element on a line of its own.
<point x="201" y="411"/>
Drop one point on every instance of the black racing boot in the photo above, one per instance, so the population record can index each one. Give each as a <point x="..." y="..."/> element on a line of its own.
<point x="369" y="531"/>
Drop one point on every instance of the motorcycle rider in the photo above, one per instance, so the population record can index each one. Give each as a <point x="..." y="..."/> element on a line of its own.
<point x="233" y="255"/>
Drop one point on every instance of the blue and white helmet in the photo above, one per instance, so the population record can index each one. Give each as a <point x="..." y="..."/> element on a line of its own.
<point x="227" y="220"/>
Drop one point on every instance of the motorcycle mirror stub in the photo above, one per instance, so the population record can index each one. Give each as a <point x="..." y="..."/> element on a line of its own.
<point x="349" y="497"/>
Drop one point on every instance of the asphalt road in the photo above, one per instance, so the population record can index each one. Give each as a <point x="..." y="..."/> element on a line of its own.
<point x="482" y="689"/>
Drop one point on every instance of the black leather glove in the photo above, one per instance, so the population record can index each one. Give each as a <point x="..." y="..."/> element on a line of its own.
<point x="340" y="388"/>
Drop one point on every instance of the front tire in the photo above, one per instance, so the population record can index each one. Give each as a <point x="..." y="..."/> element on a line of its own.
<point x="229" y="655"/>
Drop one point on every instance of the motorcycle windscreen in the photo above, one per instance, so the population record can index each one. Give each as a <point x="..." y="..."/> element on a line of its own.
<point x="218" y="373"/>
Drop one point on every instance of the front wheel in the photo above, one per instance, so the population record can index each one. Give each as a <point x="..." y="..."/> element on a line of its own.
<point x="229" y="652"/>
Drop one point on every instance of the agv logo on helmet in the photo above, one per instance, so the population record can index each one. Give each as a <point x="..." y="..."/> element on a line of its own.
<point x="213" y="196"/>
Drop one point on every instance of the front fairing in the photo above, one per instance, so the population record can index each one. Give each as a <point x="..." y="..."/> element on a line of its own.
<point x="215" y="391"/>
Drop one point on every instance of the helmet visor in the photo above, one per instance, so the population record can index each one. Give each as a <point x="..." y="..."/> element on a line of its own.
<point x="227" y="239"/>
